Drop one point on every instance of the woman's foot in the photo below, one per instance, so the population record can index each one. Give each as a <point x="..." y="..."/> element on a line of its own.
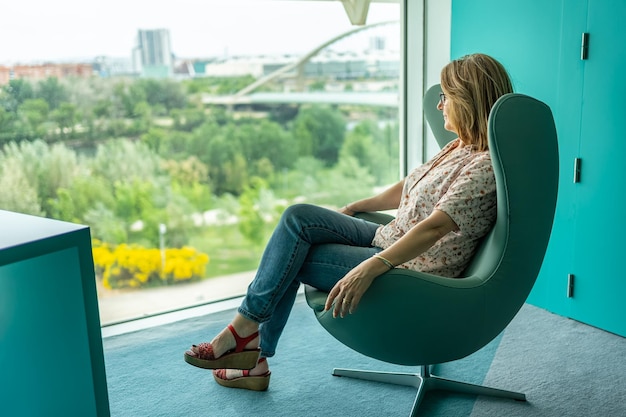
<point x="256" y="379"/>
<point x="229" y="349"/>
<point x="228" y="338"/>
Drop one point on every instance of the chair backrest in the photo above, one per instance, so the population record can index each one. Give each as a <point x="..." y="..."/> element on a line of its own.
<point x="524" y="152"/>
<point x="434" y="116"/>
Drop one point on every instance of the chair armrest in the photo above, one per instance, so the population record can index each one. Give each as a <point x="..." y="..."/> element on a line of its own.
<point x="445" y="309"/>
<point x="374" y="217"/>
<point x="409" y="300"/>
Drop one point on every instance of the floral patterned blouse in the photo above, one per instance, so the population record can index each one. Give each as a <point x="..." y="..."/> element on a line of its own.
<point x="460" y="183"/>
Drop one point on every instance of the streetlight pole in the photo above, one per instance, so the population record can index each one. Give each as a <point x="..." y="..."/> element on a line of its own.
<point x="162" y="231"/>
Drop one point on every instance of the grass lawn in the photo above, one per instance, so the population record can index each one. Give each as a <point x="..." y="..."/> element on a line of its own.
<point x="229" y="252"/>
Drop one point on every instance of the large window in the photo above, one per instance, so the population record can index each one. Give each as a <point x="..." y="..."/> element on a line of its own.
<point x="179" y="131"/>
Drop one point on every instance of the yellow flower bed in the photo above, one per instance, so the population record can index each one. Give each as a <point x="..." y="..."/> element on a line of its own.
<point x="133" y="266"/>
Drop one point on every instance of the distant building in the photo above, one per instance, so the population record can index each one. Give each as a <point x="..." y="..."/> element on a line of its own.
<point x="327" y="64"/>
<point x="352" y="66"/>
<point x="152" y="55"/>
<point x="106" y="66"/>
<point x="256" y="66"/>
<point x="377" y="43"/>
<point x="5" y="75"/>
<point x="43" y="71"/>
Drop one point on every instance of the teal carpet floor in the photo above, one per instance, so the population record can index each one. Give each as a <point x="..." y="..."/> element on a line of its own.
<point x="146" y="374"/>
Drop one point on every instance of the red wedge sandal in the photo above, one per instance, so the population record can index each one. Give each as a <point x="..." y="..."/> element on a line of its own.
<point x="246" y="381"/>
<point x="238" y="358"/>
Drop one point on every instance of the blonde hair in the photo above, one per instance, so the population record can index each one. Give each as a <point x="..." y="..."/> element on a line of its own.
<point x="473" y="83"/>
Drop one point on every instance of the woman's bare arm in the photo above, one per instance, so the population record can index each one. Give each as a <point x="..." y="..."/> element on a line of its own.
<point x="420" y="238"/>
<point x="349" y="290"/>
<point x="387" y="200"/>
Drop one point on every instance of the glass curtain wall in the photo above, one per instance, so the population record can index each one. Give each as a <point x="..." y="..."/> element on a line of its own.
<point x="179" y="131"/>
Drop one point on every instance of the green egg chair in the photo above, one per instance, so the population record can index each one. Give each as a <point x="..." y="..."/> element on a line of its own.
<point x="418" y="319"/>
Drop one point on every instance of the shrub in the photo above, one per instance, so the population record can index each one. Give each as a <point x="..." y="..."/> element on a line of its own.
<point x="133" y="266"/>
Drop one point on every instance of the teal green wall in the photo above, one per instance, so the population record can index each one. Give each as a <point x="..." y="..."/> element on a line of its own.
<point x="539" y="43"/>
<point x="502" y="29"/>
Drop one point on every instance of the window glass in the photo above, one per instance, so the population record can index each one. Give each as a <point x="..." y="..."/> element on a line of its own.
<point x="179" y="131"/>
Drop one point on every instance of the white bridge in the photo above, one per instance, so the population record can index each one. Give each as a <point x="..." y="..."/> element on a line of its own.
<point x="296" y="69"/>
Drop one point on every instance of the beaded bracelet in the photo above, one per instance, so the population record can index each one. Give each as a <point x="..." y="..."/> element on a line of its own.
<point x="383" y="260"/>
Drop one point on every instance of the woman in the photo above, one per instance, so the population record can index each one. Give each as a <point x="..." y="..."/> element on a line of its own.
<point x="443" y="208"/>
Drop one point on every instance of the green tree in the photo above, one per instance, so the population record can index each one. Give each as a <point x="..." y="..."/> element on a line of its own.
<point x="103" y="109"/>
<point x="66" y="117"/>
<point x="188" y="119"/>
<point x="374" y="148"/>
<point x="142" y="118"/>
<point x="320" y="131"/>
<point x="179" y="145"/>
<point x="143" y="193"/>
<point x="86" y="192"/>
<point x="366" y="153"/>
<point x="148" y="204"/>
<point x="18" y="194"/>
<point x="251" y="223"/>
<point x="47" y="167"/>
<point x="125" y="98"/>
<point x="58" y="169"/>
<point x="52" y="91"/>
<point x="134" y="198"/>
<point x="359" y="146"/>
<point x="124" y="160"/>
<point x="347" y="181"/>
<point x="265" y="140"/>
<point x="8" y="121"/>
<point x="174" y="144"/>
<point x="227" y="166"/>
<point x="154" y="139"/>
<point x="233" y="174"/>
<point x="177" y="215"/>
<point x="167" y="94"/>
<point x="35" y="111"/>
<point x="187" y="172"/>
<point x="15" y="93"/>
<point x="105" y="225"/>
<point x="304" y="180"/>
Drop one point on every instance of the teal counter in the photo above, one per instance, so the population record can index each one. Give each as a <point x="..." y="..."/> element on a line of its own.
<point x="51" y="358"/>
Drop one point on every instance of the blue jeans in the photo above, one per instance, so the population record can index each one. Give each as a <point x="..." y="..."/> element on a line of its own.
<point x="310" y="245"/>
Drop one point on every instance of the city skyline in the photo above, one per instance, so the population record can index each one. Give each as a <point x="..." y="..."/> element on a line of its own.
<point x="69" y="30"/>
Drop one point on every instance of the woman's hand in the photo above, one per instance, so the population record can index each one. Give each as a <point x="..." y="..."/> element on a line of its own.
<point x="345" y="210"/>
<point x="348" y="291"/>
<point x="387" y="200"/>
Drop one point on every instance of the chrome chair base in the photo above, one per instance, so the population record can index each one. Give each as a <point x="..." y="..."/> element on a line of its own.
<point x="425" y="382"/>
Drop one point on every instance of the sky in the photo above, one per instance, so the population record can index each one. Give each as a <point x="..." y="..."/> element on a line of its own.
<point x="44" y="30"/>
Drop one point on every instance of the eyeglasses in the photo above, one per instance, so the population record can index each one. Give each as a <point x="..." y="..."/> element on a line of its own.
<point x="442" y="98"/>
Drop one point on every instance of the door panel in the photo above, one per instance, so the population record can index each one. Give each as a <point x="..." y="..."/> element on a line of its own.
<point x="600" y="230"/>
